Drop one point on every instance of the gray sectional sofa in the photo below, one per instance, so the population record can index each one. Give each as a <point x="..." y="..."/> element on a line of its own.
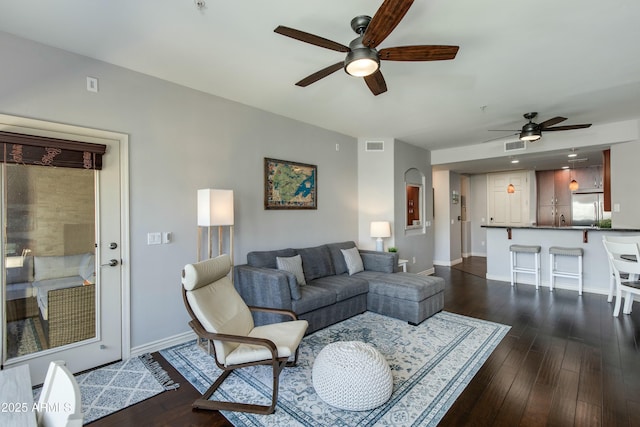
<point x="329" y="293"/>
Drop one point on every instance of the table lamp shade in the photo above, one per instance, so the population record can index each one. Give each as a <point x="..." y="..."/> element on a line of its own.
<point x="380" y="229"/>
<point x="215" y="207"/>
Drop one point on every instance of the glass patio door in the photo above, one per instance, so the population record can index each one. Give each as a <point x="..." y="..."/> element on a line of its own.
<point x="61" y="278"/>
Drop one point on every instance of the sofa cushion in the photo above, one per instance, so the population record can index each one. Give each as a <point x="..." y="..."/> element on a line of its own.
<point x="316" y="262"/>
<point x="344" y="286"/>
<point x="292" y="265"/>
<point x="53" y="267"/>
<point x="267" y="259"/>
<point x="339" y="264"/>
<point x="406" y="286"/>
<point x="353" y="260"/>
<point x="312" y="298"/>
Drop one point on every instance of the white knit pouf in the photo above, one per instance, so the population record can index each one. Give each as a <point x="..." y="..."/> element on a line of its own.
<point x="352" y="375"/>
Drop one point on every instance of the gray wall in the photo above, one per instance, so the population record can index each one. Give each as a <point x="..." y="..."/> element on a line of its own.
<point x="624" y="185"/>
<point x="477" y="213"/>
<point x="411" y="244"/>
<point x="182" y="140"/>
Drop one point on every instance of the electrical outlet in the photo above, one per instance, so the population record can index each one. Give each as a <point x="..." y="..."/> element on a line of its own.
<point x="166" y="237"/>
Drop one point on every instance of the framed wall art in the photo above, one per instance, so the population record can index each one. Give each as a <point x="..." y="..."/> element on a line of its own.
<point x="290" y="185"/>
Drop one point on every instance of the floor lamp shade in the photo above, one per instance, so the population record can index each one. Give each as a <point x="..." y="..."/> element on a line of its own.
<point x="215" y="207"/>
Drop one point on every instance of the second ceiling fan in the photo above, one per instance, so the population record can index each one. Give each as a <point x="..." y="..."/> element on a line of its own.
<point x="362" y="59"/>
<point x="533" y="131"/>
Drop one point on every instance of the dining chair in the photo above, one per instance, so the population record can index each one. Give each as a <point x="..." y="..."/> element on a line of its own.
<point x="60" y="403"/>
<point x="220" y="315"/>
<point x="618" y="239"/>
<point x="620" y="258"/>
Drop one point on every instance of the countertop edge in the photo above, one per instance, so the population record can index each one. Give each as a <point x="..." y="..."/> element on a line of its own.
<point x="568" y="228"/>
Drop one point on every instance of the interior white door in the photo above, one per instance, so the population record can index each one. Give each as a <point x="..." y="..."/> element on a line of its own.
<point x="106" y="344"/>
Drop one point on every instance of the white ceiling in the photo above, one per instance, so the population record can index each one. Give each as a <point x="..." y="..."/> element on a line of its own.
<point x="576" y="59"/>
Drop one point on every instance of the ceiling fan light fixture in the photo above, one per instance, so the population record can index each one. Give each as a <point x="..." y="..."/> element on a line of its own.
<point x="361" y="67"/>
<point x="530" y="132"/>
<point x="361" y="61"/>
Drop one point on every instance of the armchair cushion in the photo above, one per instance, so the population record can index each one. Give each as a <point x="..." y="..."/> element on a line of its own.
<point x="215" y="302"/>
<point x="286" y="336"/>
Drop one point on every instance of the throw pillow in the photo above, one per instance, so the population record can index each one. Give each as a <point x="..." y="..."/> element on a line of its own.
<point x="353" y="260"/>
<point x="292" y="265"/>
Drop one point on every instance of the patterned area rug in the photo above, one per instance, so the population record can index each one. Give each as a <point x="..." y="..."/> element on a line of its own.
<point x="431" y="363"/>
<point x="22" y="338"/>
<point x="116" y="386"/>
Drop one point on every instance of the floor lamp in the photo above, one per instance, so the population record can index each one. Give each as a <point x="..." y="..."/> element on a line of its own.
<point x="215" y="209"/>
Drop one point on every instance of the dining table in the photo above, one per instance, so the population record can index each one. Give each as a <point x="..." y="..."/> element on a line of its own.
<point x="17" y="408"/>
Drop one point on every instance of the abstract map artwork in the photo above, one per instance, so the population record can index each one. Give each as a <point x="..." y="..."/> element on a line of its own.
<point x="290" y="185"/>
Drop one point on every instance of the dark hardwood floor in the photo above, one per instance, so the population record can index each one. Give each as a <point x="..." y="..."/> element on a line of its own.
<point x="566" y="361"/>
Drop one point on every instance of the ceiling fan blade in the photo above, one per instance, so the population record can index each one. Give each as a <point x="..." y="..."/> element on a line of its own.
<point x="376" y="83"/>
<point x="418" y="53"/>
<point x="385" y="20"/>
<point x="503" y="130"/>
<point x="500" y="137"/>
<point x="551" y="122"/>
<point x="311" y="39"/>
<point x="567" y="127"/>
<point x="320" y="74"/>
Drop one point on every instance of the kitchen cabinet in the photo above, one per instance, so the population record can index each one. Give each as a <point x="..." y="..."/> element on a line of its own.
<point x="561" y="180"/>
<point x="606" y="179"/>
<point x="589" y="178"/>
<point x="554" y="197"/>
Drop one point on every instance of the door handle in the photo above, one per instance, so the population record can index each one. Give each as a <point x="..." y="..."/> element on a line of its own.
<point x="111" y="263"/>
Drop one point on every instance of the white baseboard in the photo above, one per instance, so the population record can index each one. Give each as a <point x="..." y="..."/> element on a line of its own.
<point x="427" y="272"/>
<point x="447" y="263"/>
<point x="163" y="343"/>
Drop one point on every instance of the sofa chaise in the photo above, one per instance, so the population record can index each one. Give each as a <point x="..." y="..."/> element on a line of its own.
<point x="330" y="283"/>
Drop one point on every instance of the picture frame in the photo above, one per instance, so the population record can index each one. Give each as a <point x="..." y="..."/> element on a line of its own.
<point x="290" y="185"/>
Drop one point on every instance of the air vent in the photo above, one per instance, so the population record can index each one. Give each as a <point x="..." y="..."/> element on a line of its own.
<point x="375" y="146"/>
<point x="516" y="145"/>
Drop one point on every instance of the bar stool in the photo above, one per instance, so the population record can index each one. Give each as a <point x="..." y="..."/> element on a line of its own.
<point x="559" y="251"/>
<point x="514" y="250"/>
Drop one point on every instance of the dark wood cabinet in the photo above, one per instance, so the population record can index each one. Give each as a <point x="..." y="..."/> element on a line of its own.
<point x="606" y="179"/>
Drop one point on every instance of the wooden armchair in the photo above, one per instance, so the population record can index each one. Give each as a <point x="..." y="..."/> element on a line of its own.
<point x="219" y="314"/>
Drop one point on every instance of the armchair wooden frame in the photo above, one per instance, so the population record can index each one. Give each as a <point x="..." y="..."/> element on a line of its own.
<point x="277" y="363"/>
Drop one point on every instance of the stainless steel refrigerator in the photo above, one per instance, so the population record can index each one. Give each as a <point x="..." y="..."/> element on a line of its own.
<point x="587" y="209"/>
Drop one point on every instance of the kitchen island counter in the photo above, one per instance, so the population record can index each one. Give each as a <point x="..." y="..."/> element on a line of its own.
<point x="595" y="264"/>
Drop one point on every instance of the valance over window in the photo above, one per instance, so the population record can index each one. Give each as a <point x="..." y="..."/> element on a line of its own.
<point x="44" y="151"/>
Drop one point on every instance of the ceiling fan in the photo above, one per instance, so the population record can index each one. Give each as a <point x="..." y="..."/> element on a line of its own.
<point x="533" y="131"/>
<point x="363" y="60"/>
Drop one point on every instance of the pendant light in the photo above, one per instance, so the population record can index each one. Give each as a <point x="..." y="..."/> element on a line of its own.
<point x="573" y="185"/>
